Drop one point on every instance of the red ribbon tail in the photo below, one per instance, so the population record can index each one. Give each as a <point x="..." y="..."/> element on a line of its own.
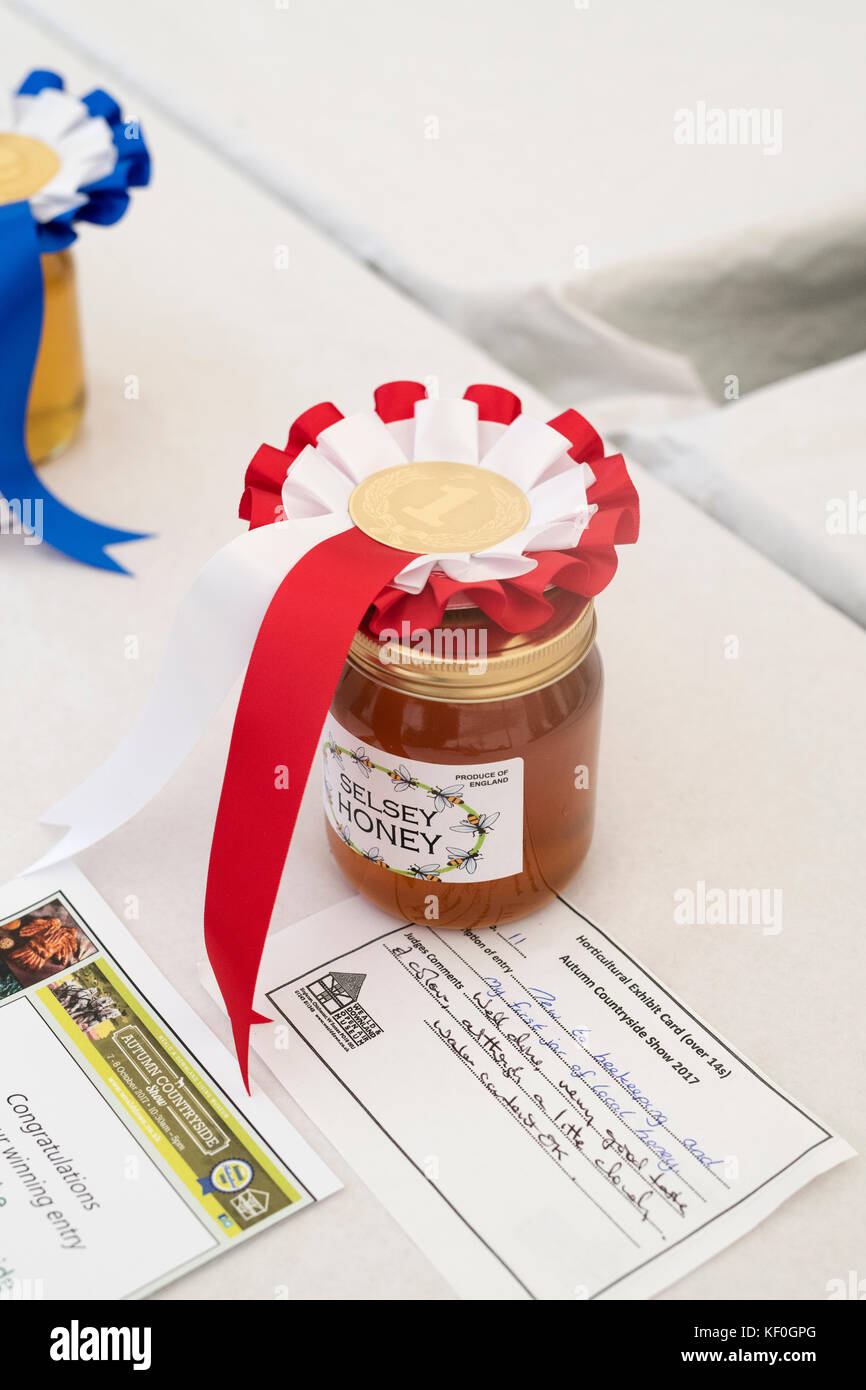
<point x="293" y="671"/>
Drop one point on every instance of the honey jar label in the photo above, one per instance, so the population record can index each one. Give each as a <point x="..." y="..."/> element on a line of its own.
<point x="434" y="821"/>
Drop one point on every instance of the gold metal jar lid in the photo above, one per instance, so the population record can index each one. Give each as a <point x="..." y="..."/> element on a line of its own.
<point x="465" y="659"/>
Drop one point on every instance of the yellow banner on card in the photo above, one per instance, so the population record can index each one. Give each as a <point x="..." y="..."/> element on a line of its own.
<point x="172" y="1105"/>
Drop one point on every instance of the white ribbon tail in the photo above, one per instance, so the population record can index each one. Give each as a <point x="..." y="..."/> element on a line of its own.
<point x="208" y="648"/>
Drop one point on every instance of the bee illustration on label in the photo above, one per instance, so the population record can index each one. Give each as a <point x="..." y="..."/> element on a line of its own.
<point x="464" y="859"/>
<point x="446" y="796"/>
<point x="331" y="747"/>
<point x="344" y="833"/>
<point x="476" y="824"/>
<point x="374" y="856"/>
<point x="429" y="872"/>
<point x="402" y="778"/>
<point x="361" y="760"/>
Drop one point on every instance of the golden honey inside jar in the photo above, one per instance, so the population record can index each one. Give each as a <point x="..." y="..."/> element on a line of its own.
<point x="459" y="765"/>
<point x="56" y="403"/>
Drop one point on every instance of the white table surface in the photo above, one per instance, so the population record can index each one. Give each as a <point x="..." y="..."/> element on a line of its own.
<point x="784" y="468"/>
<point x="553" y="127"/>
<point x="745" y="772"/>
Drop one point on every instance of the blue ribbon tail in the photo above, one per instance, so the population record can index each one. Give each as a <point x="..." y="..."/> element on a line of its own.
<point x="21" y="305"/>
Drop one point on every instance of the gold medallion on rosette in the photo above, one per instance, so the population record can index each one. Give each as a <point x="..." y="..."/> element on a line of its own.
<point x="449" y="508"/>
<point x="26" y="165"/>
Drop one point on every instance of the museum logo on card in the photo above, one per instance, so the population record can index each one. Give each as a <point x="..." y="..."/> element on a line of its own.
<point x="334" y="999"/>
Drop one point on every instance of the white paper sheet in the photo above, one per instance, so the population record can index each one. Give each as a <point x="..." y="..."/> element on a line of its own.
<point x="543" y="1117"/>
<point x="129" y="1151"/>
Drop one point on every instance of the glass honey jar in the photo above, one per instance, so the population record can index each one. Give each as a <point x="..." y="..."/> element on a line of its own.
<point x="460" y="765"/>
<point x="56" y="403"/>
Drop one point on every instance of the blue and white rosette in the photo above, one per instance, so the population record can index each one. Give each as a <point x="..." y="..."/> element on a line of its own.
<point x="95" y="159"/>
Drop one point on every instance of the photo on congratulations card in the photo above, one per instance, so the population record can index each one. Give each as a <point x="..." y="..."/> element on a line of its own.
<point x="38" y="945"/>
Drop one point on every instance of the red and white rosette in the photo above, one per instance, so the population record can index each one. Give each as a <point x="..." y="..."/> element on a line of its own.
<point x="284" y="600"/>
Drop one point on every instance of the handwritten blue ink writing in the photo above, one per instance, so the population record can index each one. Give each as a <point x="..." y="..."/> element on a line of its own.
<point x="665" y="1159"/>
<point x="546" y="1000"/>
<point x="654" y="1114"/>
<point x="692" y="1146"/>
